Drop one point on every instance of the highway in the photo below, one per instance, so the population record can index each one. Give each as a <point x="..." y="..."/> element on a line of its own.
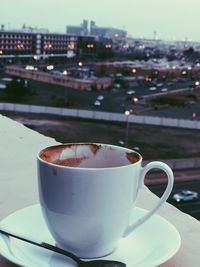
<point x="193" y="207"/>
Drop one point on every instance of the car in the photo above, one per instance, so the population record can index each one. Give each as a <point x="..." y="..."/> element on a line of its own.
<point x="152" y="88"/>
<point x="159" y="84"/>
<point x="185" y="195"/>
<point x="97" y="103"/>
<point x="130" y="92"/>
<point x="100" y="97"/>
<point x="164" y="90"/>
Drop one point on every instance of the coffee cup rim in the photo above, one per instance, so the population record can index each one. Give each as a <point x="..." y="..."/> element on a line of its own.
<point x="88" y="168"/>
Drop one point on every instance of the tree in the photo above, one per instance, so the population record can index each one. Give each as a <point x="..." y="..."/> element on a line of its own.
<point x="15" y="90"/>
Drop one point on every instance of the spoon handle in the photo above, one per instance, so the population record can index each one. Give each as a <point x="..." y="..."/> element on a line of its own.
<point x="61" y="251"/>
<point x="43" y="245"/>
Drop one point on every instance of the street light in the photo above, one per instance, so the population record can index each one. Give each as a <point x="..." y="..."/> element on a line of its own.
<point x="127" y="114"/>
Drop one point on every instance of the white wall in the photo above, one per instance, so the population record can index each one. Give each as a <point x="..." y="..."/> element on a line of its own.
<point x="99" y="115"/>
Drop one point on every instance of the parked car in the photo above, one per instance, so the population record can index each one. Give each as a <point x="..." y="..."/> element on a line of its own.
<point x="164" y="90"/>
<point x="185" y="195"/>
<point x="100" y="97"/>
<point x="152" y="88"/>
<point x="97" y="103"/>
<point x="130" y="92"/>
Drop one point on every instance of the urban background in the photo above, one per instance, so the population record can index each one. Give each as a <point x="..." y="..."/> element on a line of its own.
<point x="110" y="87"/>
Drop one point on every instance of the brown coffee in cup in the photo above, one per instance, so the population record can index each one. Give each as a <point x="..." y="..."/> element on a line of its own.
<point x="88" y="156"/>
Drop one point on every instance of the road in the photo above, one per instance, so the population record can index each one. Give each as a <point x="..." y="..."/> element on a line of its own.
<point x="193" y="207"/>
<point x="115" y="100"/>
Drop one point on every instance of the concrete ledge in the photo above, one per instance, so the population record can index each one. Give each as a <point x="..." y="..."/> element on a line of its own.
<point x="18" y="185"/>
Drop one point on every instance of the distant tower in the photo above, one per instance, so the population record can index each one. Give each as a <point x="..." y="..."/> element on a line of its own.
<point x="92" y="25"/>
<point x="155" y="35"/>
<point x="85" y="27"/>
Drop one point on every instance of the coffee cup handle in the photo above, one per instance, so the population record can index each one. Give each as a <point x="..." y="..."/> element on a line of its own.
<point x="170" y="176"/>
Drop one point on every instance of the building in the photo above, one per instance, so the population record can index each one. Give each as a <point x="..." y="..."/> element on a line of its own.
<point x="25" y="45"/>
<point x="17" y="43"/>
<point x="78" y="30"/>
<point x="107" y="32"/>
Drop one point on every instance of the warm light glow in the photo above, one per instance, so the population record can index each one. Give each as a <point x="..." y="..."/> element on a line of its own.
<point x="108" y="46"/>
<point x="126" y="46"/>
<point x="80" y="64"/>
<point x="50" y="67"/>
<point x="184" y="72"/>
<point x="90" y="46"/>
<point x="148" y="79"/>
<point x="127" y="113"/>
<point x="194" y="115"/>
<point x="19" y="45"/>
<point x="141" y="46"/>
<point x="134" y="70"/>
<point x="135" y="99"/>
<point x="35" y="57"/>
<point x="197" y="83"/>
<point x="71" y="45"/>
<point x="29" y="67"/>
<point x="1" y="52"/>
<point x="47" y="45"/>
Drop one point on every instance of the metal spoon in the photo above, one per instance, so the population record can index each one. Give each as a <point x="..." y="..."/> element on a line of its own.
<point x="80" y="262"/>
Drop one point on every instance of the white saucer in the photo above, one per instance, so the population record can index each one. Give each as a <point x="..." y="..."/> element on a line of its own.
<point x="151" y="244"/>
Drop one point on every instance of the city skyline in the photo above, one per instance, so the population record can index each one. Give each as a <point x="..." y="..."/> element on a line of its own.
<point x="162" y="19"/>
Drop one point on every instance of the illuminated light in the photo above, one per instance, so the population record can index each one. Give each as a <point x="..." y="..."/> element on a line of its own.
<point x="135" y="99"/>
<point x="173" y="67"/>
<point x="80" y="64"/>
<point x="90" y="46"/>
<point x="184" y="72"/>
<point x="28" y="67"/>
<point x="189" y="68"/>
<point x="134" y="70"/>
<point x="194" y="115"/>
<point x="47" y="46"/>
<point x="71" y="45"/>
<point x="65" y="72"/>
<point x="141" y="46"/>
<point x="126" y="46"/>
<point x="35" y="57"/>
<point x="197" y="83"/>
<point x="1" y="52"/>
<point x="50" y="67"/>
<point x="127" y="112"/>
<point x="148" y="79"/>
<point x="108" y="46"/>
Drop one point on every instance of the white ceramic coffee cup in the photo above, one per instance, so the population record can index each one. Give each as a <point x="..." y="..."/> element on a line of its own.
<point x="87" y="209"/>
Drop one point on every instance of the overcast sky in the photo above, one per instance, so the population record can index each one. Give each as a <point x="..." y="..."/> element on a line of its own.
<point x="170" y="19"/>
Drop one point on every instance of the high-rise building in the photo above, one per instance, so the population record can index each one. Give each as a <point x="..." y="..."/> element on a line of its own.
<point x="78" y="30"/>
<point x="108" y="32"/>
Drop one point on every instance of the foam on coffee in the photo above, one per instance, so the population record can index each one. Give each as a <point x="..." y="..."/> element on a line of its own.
<point x="88" y="156"/>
